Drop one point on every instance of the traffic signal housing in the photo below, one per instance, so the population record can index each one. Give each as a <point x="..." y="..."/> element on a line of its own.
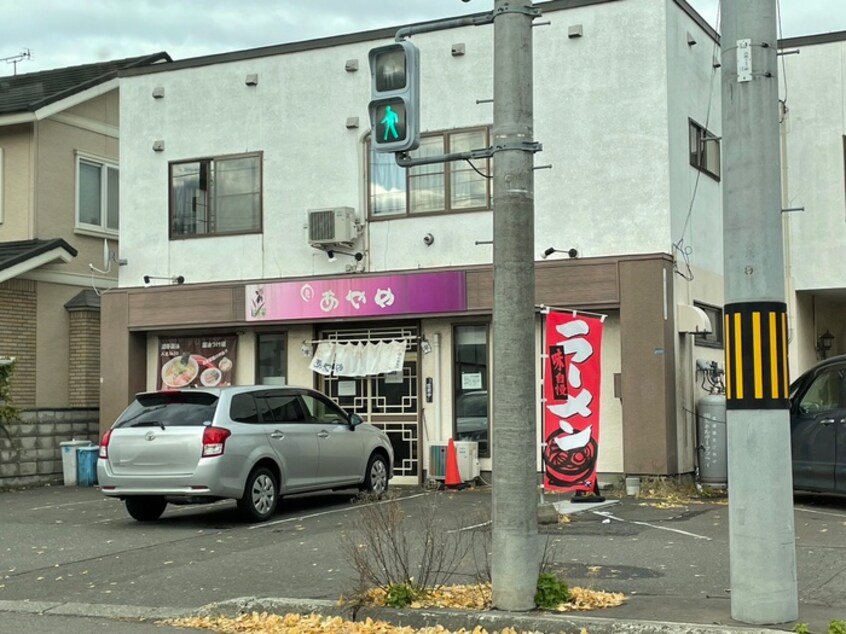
<point x="395" y="97"/>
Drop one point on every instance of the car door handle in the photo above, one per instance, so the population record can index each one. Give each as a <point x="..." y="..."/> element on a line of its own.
<point x="323" y="434"/>
<point x="277" y="434"/>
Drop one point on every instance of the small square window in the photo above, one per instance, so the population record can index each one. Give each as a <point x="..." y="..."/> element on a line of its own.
<point x="704" y="150"/>
<point x="97" y="195"/>
<point x="713" y="339"/>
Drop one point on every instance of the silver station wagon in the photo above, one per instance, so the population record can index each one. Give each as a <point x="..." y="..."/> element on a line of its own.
<point x="252" y="444"/>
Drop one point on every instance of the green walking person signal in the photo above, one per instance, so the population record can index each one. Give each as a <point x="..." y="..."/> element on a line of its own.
<point x="390" y="122"/>
<point x="394" y="106"/>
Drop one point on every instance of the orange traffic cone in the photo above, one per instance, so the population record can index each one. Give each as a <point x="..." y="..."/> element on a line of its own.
<point x="453" y="477"/>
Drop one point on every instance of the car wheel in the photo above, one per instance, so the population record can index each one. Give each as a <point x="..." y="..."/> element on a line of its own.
<point x="261" y="493"/>
<point x="376" y="476"/>
<point x="145" y="508"/>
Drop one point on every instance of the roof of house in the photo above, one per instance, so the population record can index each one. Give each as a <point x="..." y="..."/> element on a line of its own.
<point x="18" y="252"/>
<point x="30" y="91"/>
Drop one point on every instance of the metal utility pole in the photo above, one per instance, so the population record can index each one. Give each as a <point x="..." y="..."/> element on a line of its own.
<point x="516" y="553"/>
<point x="762" y="536"/>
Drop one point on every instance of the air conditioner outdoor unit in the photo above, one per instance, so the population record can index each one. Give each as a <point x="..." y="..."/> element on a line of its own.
<point x="331" y="226"/>
<point x="467" y="454"/>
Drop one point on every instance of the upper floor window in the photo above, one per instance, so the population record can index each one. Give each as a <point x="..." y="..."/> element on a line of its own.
<point x="97" y="194"/>
<point x="704" y="150"/>
<point x="216" y="196"/>
<point x="436" y="188"/>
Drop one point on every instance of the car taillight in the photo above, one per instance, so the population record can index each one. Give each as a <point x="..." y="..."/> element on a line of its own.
<point x="104" y="446"/>
<point x="214" y="439"/>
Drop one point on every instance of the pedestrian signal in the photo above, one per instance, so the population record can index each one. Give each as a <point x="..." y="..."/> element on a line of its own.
<point x="395" y="93"/>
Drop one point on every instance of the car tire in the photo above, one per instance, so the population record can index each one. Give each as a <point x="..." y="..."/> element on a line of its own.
<point x="145" y="508"/>
<point x="376" y="476"/>
<point x="261" y="494"/>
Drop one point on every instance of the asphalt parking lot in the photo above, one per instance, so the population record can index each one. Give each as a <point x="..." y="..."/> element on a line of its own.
<point x="72" y="545"/>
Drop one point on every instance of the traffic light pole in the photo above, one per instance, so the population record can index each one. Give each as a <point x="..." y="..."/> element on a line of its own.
<point x="761" y="526"/>
<point x="516" y="550"/>
<point x="516" y="554"/>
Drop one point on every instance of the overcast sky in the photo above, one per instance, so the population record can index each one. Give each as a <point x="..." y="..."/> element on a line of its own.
<point x="62" y="33"/>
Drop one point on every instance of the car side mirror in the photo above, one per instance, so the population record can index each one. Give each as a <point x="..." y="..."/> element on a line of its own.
<point x="355" y="420"/>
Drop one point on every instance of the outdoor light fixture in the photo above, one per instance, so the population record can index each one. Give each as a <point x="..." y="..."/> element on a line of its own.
<point x="425" y="346"/>
<point x="331" y="253"/>
<point x="573" y="253"/>
<point x="824" y="342"/>
<point x="174" y="279"/>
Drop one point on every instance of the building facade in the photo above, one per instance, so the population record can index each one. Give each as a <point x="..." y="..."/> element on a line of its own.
<point x="58" y="219"/>
<point x="238" y="162"/>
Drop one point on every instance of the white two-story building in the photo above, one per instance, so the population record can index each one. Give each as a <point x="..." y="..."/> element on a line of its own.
<point x="232" y="166"/>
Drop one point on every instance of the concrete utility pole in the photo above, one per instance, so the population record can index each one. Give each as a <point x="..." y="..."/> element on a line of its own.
<point x="516" y="553"/>
<point x="762" y="536"/>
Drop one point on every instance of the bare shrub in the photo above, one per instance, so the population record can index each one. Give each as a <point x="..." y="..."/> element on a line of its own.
<point x="387" y="548"/>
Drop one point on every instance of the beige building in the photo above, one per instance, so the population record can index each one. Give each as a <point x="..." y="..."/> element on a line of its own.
<point x="59" y="223"/>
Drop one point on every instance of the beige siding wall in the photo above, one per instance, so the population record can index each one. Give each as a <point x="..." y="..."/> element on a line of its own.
<point x="18" y="306"/>
<point x="59" y="144"/>
<point x="18" y="201"/>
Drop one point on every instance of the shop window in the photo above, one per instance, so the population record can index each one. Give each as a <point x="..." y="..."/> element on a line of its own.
<point x="216" y="196"/>
<point x="471" y="392"/>
<point x="272" y="359"/>
<point x="704" y="150"/>
<point x="713" y="339"/>
<point x="437" y="188"/>
<point x="97" y="195"/>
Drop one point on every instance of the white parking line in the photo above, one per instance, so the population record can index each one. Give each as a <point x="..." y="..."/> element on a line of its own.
<point x="660" y="528"/>
<point x="340" y="510"/>
<point x="58" y="506"/>
<point x="840" y="515"/>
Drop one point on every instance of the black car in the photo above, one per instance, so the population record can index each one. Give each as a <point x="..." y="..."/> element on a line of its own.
<point x="818" y="427"/>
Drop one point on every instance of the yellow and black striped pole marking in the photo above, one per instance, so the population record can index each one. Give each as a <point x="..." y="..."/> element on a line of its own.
<point x="756" y="355"/>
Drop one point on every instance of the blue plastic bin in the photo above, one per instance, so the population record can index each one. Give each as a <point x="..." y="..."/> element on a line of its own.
<point x="86" y="466"/>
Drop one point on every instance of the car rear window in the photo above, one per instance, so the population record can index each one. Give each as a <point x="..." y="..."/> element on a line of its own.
<point x="181" y="409"/>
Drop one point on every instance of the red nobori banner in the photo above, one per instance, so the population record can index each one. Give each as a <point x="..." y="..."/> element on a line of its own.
<point x="571" y="388"/>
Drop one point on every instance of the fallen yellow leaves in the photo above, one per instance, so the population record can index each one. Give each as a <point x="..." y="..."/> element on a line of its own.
<point x="478" y="597"/>
<point x="313" y="624"/>
<point x="466" y="597"/>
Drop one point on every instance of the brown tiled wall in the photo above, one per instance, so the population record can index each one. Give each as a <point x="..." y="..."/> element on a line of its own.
<point x="84" y="359"/>
<point x="17" y="336"/>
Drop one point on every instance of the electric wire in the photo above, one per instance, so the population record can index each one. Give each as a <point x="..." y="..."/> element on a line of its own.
<point x="679" y="246"/>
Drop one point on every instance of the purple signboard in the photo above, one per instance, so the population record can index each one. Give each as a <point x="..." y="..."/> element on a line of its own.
<point x="357" y="296"/>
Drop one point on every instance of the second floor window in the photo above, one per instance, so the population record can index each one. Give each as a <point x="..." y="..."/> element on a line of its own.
<point x="704" y="150"/>
<point x="97" y="195"/>
<point x="437" y="188"/>
<point x="216" y="196"/>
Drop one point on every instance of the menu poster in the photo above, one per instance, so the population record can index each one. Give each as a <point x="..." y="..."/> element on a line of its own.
<point x="196" y="361"/>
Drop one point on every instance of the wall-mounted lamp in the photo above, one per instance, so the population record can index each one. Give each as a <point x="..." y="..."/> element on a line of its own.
<point x="425" y="346"/>
<point x="358" y="255"/>
<point x="572" y="253"/>
<point x="173" y="279"/>
<point x="824" y="343"/>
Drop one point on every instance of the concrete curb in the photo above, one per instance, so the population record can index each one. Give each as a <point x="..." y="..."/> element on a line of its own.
<point x="102" y="610"/>
<point x="536" y="622"/>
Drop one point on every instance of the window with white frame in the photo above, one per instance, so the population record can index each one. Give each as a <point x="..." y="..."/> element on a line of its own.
<point x="704" y="150"/>
<point x="97" y="194"/>
<point x="448" y="187"/>
<point x="216" y="196"/>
